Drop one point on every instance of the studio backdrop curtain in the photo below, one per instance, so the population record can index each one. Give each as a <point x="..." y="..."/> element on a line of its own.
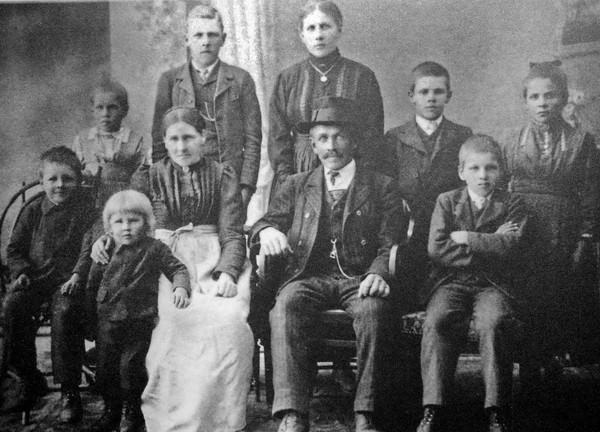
<point x="250" y="45"/>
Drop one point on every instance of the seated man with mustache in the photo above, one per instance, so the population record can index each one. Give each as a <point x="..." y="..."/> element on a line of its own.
<point x="334" y="227"/>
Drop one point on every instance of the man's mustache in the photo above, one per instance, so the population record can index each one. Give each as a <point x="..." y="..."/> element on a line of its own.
<point x="331" y="153"/>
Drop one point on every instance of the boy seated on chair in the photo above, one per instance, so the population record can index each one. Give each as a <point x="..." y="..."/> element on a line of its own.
<point x="43" y="259"/>
<point x="473" y="242"/>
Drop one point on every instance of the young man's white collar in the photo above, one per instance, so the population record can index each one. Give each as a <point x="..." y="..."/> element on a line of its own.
<point x="429" y="126"/>
<point x="345" y="177"/>
<point x="208" y="68"/>
<point x="478" y="200"/>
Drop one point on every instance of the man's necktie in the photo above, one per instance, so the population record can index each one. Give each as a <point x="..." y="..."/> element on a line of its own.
<point x="204" y="74"/>
<point x="430" y="128"/>
<point x="480" y="202"/>
<point x="333" y="175"/>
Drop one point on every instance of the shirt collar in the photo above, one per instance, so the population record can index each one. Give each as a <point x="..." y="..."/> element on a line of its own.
<point x="328" y="60"/>
<point x="477" y="199"/>
<point x="344" y="179"/>
<point x="429" y="126"/>
<point x="122" y="134"/>
<point x="209" y="68"/>
<point x="136" y="246"/>
<point x="48" y="206"/>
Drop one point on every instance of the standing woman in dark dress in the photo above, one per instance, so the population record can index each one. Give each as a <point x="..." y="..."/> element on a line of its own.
<point x="325" y="73"/>
<point x="555" y="169"/>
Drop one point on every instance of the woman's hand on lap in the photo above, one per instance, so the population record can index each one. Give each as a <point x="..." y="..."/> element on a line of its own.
<point x="226" y="286"/>
<point x="181" y="299"/>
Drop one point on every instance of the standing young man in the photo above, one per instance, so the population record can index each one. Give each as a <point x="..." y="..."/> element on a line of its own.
<point x="224" y="94"/>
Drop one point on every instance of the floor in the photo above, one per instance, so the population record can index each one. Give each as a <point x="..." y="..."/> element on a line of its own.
<point x="568" y="402"/>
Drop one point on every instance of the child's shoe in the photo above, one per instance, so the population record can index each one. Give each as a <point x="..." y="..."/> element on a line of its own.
<point x="109" y="421"/>
<point x="132" y="419"/>
<point x="499" y="420"/>
<point x="432" y="419"/>
<point x="70" y="406"/>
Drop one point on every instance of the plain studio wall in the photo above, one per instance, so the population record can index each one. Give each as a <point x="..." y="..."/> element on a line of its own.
<point x="51" y="53"/>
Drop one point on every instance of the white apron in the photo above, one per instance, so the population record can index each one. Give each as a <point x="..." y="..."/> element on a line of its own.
<point x="200" y="358"/>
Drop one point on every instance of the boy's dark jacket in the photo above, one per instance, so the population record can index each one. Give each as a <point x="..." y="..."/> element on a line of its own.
<point x="127" y="287"/>
<point x="422" y="177"/>
<point x="491" y="258"/>
<point x="46" y="241"/>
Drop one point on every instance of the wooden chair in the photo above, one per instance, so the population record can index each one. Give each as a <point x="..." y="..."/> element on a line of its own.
<point x="336" y="344"/>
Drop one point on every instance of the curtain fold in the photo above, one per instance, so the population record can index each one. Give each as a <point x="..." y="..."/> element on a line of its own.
<point x="249" y="25"/>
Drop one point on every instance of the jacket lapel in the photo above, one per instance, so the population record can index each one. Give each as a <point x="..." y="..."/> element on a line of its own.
<point x="224" y="79"/>
<point x="445" y="135"/>
<point x="314" y="190"/>
<point x="358" y="193"/>
<point x="490" y="213"/>
<point x="184" y="82"/>
<point x="463" y="216"/>
<point x="410" y="136"/>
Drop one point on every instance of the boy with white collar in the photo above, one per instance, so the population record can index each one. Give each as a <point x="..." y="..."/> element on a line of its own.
<point x="425" y="151"/>
<point x="474" y="243"/>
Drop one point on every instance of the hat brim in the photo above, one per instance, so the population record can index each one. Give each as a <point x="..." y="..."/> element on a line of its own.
<point x="305" y="127"/>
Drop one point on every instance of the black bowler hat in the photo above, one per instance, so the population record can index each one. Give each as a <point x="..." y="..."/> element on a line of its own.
<point x="331" y="111"/>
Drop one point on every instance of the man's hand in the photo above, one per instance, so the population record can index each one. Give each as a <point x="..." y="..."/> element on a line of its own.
<point x="71" y="286"/>
<point x="460" y="237"/>
<point x="100" y="250"/>
<point x="246" y="196"/>
<point x="226" y="287"/>
<point x="507" y="227"/>
<point x="373" y="286"/>
<point x="273" y="242"/>
<point x="181" y="299"/>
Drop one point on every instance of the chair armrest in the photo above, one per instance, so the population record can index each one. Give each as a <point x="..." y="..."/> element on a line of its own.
<point x="400" y="248"/>
<point x="392" y="264"/>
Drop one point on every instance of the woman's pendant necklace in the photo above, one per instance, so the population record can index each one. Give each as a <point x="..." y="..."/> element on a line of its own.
<point x="323" y="78"/>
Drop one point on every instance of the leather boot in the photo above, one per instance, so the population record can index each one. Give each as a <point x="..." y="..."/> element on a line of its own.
<point x="499" y="421"/>
<point x="293" y="421"/>
<point x="432" y="420"/>
<point x="132" y="419"/>
<point x="109" y="421"/>
<point x="363" y="422"/>
<point x="70" y="406"/>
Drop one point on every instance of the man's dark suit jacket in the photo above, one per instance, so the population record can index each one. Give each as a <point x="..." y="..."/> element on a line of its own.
<point x="374" y="220"/>
<point x="490" y="257"/>
<point x="422" y="177"/>
<point x="237" y="114"/>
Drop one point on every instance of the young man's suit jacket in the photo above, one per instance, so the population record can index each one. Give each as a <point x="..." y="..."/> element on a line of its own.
<point x="491" y="258"/>
<point x="374" y="220"/>
<point x="237" y="114"/>
<point x="422" y="178"/>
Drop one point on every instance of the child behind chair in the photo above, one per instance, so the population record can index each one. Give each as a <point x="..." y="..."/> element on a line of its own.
<point x="109" y="151"/>
<point x="126" y="293"/>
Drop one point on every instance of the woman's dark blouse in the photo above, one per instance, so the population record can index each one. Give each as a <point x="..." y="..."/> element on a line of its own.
<point x="296" y="89"/>
<point x="207" y="194"/>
